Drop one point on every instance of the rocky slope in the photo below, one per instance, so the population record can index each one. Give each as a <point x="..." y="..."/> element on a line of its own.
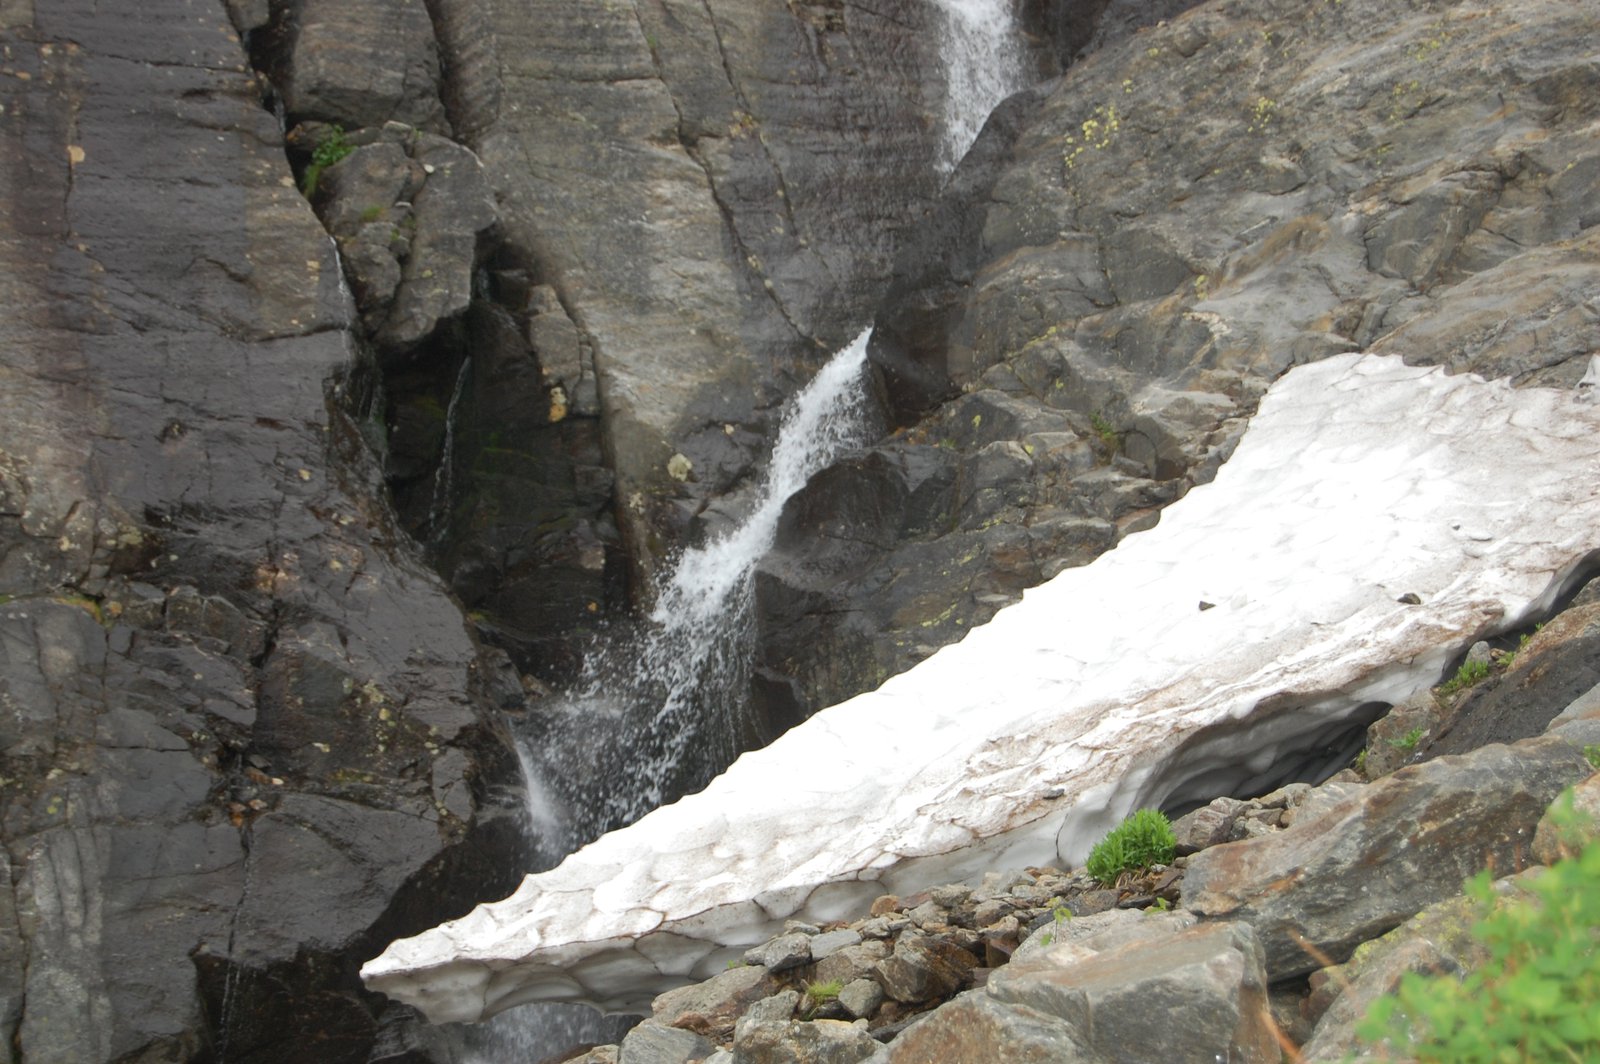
<point x="1355" y="881"/>
<point x="1147" y="244"/>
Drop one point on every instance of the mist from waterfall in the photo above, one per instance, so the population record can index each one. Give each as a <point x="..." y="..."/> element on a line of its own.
<point x="663" y="709"/>
<point x="984" y="63"/>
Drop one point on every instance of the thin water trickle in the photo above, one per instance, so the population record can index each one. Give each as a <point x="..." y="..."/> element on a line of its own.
<point x="439" y="507"/>
<point x="984" y="63"/>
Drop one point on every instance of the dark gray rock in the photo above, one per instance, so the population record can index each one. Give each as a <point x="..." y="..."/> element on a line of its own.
<point x="923" y="969"/>
<point x="852" y="962"/>
<point x="1559" y="663"/>
<point x="1401" y="735"/>
<point x="652" y="1043"/>
<point x="703" y="1006"/>
<point x="245" y="740"/>
<point x="829" y="942"/>
<point x="361" y="63"/>
<point x="1079" y="1002"/>
<point x="810" y="1042"/>
<point x="1382" y="854"/>
<point x="449" y="210"/>
<point x="781" y="953"/>
<point x="861" y="997"/>
<point x="1207" y="826"/>
<point x="693" y="181"/>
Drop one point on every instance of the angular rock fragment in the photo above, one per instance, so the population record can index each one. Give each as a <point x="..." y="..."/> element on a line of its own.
<point x="1076" y="1002"/>
<point x="1384" y="853"/>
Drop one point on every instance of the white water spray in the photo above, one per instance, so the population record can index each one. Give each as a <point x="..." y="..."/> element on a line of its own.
<point x="675" y="693"/>
<point x="660" y="713"/>
<point x="983" y="63"/>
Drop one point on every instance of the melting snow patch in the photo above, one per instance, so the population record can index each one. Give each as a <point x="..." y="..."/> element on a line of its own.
<point x="1375" y="518"/>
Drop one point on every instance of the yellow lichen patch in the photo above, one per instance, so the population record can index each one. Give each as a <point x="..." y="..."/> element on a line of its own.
<point x="1097" y="132"/>
<point x="1261" y="113"/>
<point x="82" y="602"/>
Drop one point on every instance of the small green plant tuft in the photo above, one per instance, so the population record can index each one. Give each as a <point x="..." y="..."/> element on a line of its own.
<point x="1470" y="674"/>
<point x="1108" y="435"/>
<point x="1408" y="741"/>
<point x="1532" y="1001"/>
<point x="819" y="994"/>
<point x="329" y="150"/>
<point x="1144" y="839"/>
<point x="1592" y="753"/>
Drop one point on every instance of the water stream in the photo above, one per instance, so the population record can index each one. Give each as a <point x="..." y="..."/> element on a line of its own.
<point x="672" y="694"/>
<point x="663" y="709"/>
<point x="984" y="63"/>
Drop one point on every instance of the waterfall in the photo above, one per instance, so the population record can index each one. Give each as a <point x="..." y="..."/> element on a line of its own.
<point x="983" y="62"/>
<point x="661" y="711"/>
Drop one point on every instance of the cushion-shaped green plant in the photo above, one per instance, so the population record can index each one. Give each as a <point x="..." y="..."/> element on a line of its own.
<point x="1144" y="839"/>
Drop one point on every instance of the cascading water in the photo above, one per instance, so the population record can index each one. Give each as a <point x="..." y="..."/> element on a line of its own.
<point x="673" y="696"/>
<point x="983" y="62"/>
<point x="439" y="508"/>
<point x="660" y="712"/>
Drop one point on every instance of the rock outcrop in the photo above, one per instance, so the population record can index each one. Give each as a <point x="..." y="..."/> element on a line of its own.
<point x="1189" y="211"/>
<point x="1373" y="521"/>
<point x="245" y="734"/>
<point x="715" y="193"/>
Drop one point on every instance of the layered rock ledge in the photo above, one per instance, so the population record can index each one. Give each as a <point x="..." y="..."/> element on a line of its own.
<point x="1376" y="519"/>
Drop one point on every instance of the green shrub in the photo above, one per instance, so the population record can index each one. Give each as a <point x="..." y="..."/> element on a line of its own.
<point x="1532" y="1002"/>
<point x="1144" y="839"/>
<point x="329" y="150"/>
<point x="1109" y="436"/>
